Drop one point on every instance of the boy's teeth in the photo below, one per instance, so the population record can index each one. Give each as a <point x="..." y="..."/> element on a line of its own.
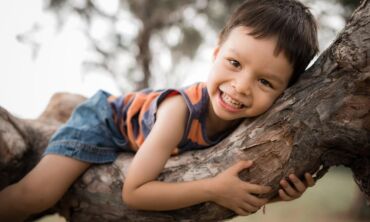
<point x="230" y="101"/>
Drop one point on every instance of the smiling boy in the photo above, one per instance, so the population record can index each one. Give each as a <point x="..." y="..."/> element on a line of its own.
<point x="262" y="50"/>
<point x="246" y="78"/>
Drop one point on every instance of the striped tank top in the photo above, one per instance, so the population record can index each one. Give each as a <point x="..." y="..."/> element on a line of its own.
<point x="134" y="115"/>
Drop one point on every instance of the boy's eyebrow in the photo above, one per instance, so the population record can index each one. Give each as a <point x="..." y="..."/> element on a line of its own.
<point x="234" y="51"/>
<point x="271" y="76"/>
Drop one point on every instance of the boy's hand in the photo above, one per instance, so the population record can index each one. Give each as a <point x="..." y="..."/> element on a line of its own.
<point x="295" y="187"/>
<point x="229" y="191"/>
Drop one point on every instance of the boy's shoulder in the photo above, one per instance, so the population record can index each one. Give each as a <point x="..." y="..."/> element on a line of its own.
<point x="196" y="92"/>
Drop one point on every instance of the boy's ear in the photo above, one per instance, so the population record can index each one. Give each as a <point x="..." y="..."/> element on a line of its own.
<point x="215" y="52"/>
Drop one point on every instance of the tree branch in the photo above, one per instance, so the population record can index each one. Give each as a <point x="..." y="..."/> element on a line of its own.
<point x="322" y="121"/>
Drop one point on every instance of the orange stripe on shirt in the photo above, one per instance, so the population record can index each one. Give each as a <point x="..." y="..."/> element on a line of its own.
<point x="145" y="107"/>
<point x="195" y="93"/>
<point x="135" y="106"/>
<point x="195" y="133"/>
<point x="112" y="98"/>
<point x="128" y="97"/>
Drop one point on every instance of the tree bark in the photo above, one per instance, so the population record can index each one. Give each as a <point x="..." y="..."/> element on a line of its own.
<point x="322" y="121"/>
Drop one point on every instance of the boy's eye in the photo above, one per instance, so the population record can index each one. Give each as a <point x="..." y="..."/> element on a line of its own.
<point x="234" y="63"/>
<point x="266" y="83"/>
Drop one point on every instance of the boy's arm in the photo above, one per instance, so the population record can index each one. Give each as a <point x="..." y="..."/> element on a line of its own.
<point x="142" y="191"/>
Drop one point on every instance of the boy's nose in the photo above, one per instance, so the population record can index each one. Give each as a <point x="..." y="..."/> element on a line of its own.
<point x="243" y="86"/>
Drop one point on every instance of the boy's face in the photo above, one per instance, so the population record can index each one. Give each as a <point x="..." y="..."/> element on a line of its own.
<point x="246" y="77"/>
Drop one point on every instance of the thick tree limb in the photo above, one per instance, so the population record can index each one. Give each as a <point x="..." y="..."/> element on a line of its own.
<point x="322" y="121"/>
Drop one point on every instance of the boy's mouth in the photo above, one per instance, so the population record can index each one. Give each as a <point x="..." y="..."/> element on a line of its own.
<point x="229" y="103"/>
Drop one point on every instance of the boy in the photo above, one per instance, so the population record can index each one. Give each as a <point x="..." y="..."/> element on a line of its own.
<point x="263" y="48"/>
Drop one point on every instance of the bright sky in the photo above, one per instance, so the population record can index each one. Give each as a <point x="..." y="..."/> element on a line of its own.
<point x="25" y="84"/>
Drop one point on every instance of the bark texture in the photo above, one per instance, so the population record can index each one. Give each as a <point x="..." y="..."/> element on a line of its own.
<point x="322" y="121"/>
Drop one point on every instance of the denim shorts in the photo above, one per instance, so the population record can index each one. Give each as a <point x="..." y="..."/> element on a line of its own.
<point x="90" y="134"/>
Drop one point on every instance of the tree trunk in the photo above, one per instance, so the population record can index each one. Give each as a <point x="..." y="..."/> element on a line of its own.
<point x="322" y="121"/>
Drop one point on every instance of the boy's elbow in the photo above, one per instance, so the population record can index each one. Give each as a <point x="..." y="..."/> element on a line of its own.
<point x="128" y="197"/>
<point x="129" y="201"/>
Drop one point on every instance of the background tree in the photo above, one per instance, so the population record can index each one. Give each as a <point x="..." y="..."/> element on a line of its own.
<point x="145" y="43"/>
<point x="169" y="24"/>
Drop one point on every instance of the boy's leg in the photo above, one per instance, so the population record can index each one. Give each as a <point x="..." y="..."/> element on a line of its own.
<point x="41" y="188"/>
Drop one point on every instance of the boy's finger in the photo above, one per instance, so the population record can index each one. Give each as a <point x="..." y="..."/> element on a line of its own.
<point x="288" y="189"/>
<point x="255" y="201"/>
<point x="248" y="207"/>
<point x="239" y="166"/>
<point x="284" y="196"/>
<point x="256" y="189"/>
<point x="298" y="184"/>
<point x="241" y="212"/>
<point x="309" y="179"/>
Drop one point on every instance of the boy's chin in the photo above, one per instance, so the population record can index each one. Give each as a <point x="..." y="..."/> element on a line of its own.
<point x="233" y="117"/>
<point x="224" y="116"/>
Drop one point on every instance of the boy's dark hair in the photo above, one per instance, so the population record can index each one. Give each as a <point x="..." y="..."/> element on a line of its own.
<point x="289" y="20"/>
